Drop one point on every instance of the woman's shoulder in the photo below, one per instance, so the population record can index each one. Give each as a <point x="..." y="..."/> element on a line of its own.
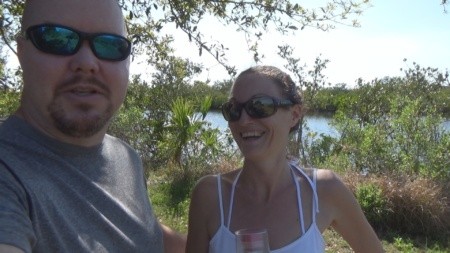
<point x="327" y="181"/>
<point x="331" y="187"/>
<point x="322" y="175"/>
<point x="205" y="198"/>
<point x="326" y="175"/>
<point x="208" y="184"/>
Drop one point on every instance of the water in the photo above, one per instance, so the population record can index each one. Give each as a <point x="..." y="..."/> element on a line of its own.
<point x="315" y="123"/>
<point x="318" y="124"/>
<point x="446" y="125"/>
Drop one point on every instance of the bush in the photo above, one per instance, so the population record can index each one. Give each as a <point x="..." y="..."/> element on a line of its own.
<point x="406" y="204"/>
<point x="408" y="139"/>
<point x="372" y="202"/>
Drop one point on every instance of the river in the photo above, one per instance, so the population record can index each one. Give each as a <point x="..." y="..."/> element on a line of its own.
<point x="318" y="124"/>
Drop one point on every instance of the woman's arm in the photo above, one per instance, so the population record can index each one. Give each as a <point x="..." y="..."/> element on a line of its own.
<point x="204" y="197"/>
<point x="174" y="242"/>
<point x="9" y="249"/>
<point x="348" y="218"/>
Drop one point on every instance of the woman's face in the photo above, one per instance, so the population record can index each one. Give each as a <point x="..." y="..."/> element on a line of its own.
<point x="264" y="137"/>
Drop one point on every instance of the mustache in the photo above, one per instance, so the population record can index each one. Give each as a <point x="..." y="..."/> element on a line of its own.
<point x="79" y="79"/>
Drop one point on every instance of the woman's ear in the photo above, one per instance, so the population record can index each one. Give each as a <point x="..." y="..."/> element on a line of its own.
<point x="296" y="114"/>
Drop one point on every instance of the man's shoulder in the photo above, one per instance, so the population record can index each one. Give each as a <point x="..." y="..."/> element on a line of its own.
<point x="112" y="140"/>
<point x="118" y="145"/>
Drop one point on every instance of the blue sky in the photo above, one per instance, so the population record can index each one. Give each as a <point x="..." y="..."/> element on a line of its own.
<point x="390" y="31"/>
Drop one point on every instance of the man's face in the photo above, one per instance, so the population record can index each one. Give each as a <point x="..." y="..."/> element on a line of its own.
<point x="72" y="98"/>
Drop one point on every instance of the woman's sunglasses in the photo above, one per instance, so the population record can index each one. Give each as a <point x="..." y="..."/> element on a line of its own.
<point x="61" y="40"/>
<point x="257" y="107"/>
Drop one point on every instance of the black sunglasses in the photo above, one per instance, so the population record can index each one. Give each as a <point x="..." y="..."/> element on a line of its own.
<point x="62" y="40"/>
<point x="257" y="107"/>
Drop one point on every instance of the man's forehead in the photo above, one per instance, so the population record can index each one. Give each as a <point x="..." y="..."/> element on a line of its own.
<point x="93" y="15"/>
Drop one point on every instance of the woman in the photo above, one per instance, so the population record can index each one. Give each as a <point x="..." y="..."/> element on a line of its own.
<point x="295" y="205"/>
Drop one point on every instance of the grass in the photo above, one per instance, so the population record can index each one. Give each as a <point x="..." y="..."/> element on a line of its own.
<point x="335" y="244"/>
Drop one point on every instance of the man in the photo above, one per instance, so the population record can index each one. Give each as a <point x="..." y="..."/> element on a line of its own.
<point x="65" y="185"/>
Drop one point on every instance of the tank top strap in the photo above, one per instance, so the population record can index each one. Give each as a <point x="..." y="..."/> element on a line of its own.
<point x="230" y="209"/>
<point x="312" y="183"/>
<point x="219" y="190"/>
<point x="299" y="201"/>
<point x="316" y="198"/>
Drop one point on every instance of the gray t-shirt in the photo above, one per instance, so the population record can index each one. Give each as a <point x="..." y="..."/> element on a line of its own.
<point x="57" y="197"/>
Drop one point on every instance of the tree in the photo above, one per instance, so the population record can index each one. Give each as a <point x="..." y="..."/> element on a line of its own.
<point x="309" y="83"/>
<point x="147" y="22"/>
<point x="393" y="125"/>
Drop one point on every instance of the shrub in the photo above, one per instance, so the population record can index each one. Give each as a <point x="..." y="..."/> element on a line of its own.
<point x="372" y="202"/>
<point x="406" y="204"/>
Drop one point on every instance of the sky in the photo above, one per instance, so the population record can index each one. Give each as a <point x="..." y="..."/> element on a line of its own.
<point x="391" y="30"/>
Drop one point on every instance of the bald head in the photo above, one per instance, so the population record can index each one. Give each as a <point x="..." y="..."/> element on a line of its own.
<point x="84" y="15"/>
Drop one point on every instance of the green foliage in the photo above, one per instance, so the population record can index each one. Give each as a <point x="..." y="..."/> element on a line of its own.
<point x="394" y="125"/>
<point x="372" y="202"/>
<point x="165" y="121"/>
<point x="403" y="245"/>
<point x="187" y="136"/>
<point x="170" y="200"/>
<point x="9" y="102"/>
<point x="328" y="100"/>
<point x="319" y="148"/>
<point x="220" y="93"/>
<point x="423" y="146"/>
<point x="10" y="83"/>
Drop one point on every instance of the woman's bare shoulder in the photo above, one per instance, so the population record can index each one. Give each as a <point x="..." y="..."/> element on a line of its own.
<point x="330" y="183"/>
<point x="326" y="175"/>
<point x="208" y="185"/>
<point x="322" y="175"/>
<point x="204" y="206"/>
<point x="205" y="188"/>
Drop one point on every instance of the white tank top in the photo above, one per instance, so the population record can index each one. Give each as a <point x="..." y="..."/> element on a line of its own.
<point x="311" y="241"/>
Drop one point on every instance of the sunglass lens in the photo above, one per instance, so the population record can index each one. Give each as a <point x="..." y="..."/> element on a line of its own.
<point x="55" y="40"/>
<point x="230" y="112"/>
<point x="260" y="107"/>
<point x="111" y="47"/>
